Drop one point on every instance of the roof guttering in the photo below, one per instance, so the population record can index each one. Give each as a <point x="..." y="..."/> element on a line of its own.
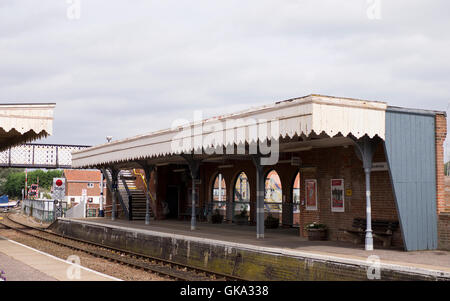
<point x="415" y="111"/>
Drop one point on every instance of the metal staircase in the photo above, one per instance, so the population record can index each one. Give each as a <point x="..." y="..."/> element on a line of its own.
<point x="136" y="199"/>
<point x="132" y="200"/>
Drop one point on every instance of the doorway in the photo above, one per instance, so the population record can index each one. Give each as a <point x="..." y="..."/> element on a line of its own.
<point x="172" y="199"/>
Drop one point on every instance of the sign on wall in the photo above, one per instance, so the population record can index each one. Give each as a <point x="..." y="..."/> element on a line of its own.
<point x="59" y="188"/>
<point x="337" y="195"/>
<point x="380" y="166"/>
<point x="311" y="194"/>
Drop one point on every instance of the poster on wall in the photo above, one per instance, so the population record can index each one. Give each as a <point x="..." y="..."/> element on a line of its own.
<point x="311" y="194"/>
<point x="337" y="195"/>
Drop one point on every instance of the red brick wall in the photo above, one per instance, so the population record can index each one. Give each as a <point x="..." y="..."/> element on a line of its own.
<point x="76" y="189"/>
<point x="444" y="231"/>
<point x="337" y="163"/>
<point x="441" y="133"/>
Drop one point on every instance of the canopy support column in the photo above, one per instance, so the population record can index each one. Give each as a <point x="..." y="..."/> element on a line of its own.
<point x="101" y="212"/>
<point x="260" y="187"/>
<point x="115" y="191"/>
<point x="366" y="148"/>
<point x="194" y="167"/>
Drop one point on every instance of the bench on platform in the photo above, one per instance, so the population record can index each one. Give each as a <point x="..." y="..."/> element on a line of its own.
<point x="381" y="230"/>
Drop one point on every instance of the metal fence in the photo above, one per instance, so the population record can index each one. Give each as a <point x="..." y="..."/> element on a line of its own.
<point x="44" y="210"/>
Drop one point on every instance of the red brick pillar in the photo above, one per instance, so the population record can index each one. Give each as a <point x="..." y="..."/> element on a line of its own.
<point x="441" y="133"/>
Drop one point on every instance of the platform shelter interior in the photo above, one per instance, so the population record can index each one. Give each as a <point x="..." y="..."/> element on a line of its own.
<point x="227" y="185"/>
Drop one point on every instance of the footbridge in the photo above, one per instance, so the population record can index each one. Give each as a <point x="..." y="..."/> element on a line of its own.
<point x="31" y="155"/>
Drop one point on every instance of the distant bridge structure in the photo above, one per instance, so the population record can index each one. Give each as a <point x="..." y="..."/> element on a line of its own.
<point x="48" y="156"/>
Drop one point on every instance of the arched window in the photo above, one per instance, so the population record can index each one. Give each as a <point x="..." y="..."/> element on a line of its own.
<point x="242" y="195"/>
<point x="296" y="200"/>
<point x="219" y="194"/>
<point x="273" y="197"/>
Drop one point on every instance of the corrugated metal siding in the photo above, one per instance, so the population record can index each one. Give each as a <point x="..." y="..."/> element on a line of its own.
<point x="410" y="150"/>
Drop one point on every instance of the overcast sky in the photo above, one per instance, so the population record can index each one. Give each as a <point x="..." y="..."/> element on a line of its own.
<point x="129" y="67"/>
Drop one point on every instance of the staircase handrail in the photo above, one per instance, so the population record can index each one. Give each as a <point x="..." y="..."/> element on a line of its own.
<point x="153" y="202"/>
<point x="130" y="198"/>
<point x="122" y="203"/>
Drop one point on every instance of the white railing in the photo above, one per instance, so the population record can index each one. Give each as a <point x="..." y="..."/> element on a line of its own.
<point x="39" y="156"/>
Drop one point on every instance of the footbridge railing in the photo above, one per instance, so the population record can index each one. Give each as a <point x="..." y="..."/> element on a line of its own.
<point x="49" y="156"/>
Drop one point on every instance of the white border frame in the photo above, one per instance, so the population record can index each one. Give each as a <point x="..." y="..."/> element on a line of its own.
<point x="308" y="208"/>
<point x="337" y="209"/>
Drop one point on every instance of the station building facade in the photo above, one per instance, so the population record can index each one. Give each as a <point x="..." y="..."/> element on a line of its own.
<point x="337" y="159"/>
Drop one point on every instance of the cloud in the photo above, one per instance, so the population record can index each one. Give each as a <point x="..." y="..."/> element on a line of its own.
<point x="124" y="69"/>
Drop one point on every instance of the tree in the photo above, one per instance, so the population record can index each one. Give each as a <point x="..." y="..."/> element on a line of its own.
<point x="14" y="185"/>
<point x="15" y="181"/>
<point x="4" y="173"/>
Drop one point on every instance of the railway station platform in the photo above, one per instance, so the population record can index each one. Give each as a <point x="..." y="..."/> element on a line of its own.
<point x="281" y="255"/>
<point x="22" y="263"/>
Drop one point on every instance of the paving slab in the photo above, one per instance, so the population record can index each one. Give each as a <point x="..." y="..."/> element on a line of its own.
<point x="23" y="263"/>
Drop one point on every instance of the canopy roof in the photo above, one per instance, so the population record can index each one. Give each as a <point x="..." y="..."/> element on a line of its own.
<point x="20" y="123"/>
<point x="310" y="115"/>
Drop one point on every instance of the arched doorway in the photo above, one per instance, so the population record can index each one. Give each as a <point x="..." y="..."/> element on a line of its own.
<point x="219" y="195"/>
<point x="296" y="201"/>
<point x="273" y="197"/>
<point x="241" y="199"/>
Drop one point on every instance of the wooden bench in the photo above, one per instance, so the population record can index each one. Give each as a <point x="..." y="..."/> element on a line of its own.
<point x="381" y="230"/>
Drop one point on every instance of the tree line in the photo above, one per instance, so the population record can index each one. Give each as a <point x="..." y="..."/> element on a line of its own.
<point x="12" y="181"/>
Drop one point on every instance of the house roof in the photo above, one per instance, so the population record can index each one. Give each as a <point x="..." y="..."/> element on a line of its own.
<point x="79" y="175"/>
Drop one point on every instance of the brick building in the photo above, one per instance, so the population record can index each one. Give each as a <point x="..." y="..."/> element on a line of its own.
<point x="79" y="180"/>
<point x="336" y="160"/>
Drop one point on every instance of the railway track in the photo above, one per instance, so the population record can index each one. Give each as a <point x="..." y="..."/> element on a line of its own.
<point x="158" y="266"/>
